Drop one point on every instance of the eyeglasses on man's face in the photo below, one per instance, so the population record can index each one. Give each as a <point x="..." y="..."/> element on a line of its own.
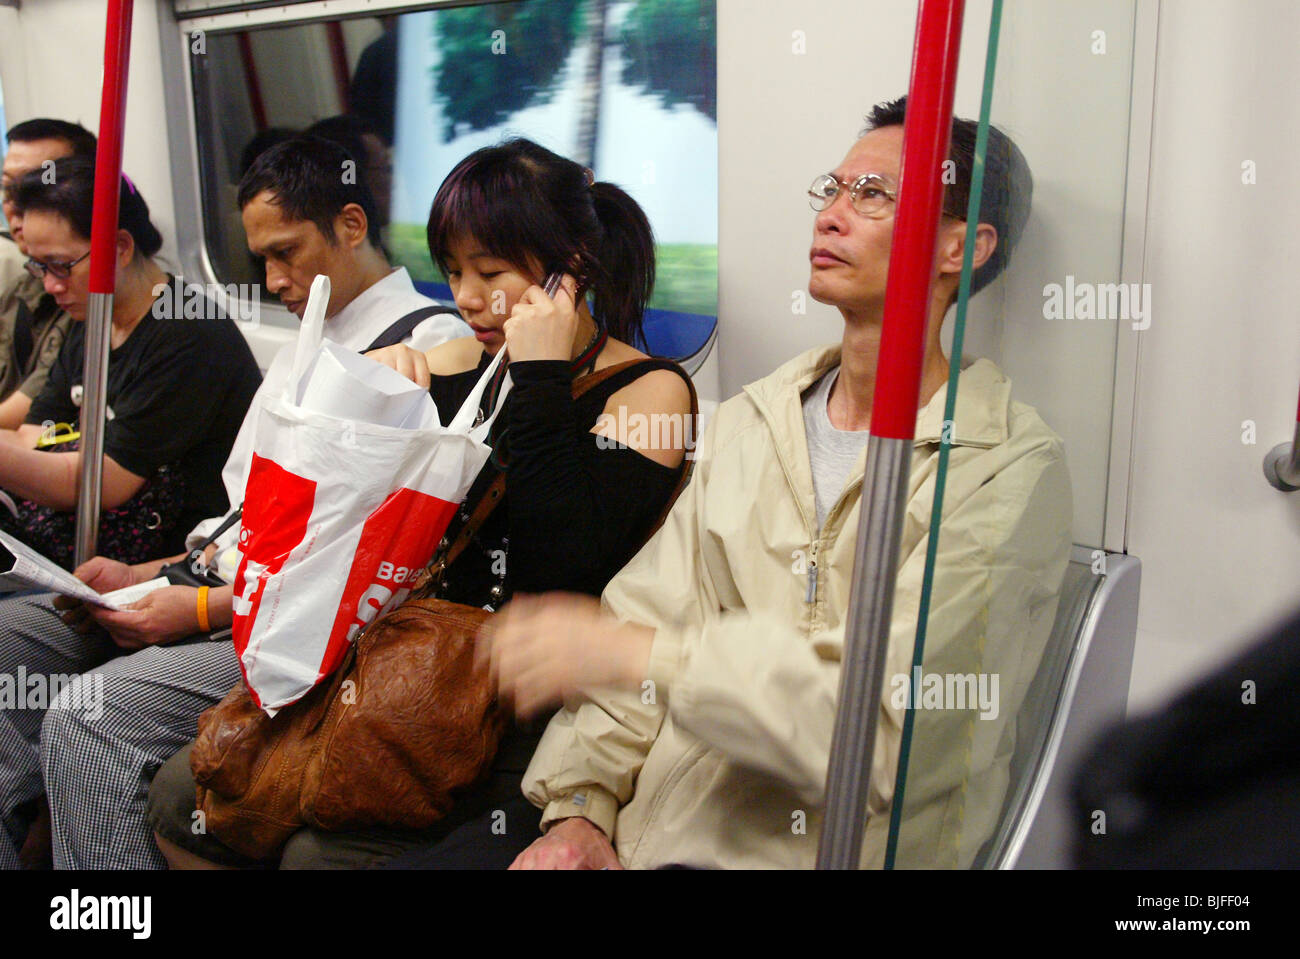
<point x="59" y="269"/>
<point x="870" y="194"/>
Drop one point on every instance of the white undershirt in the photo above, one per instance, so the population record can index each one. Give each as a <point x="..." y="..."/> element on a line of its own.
<point x="832" y="452"/>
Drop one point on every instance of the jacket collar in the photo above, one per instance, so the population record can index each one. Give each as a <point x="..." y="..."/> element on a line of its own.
<point x="982" y="413"/>
<point x="983" y="396"/>
<point x="980" y="419"/>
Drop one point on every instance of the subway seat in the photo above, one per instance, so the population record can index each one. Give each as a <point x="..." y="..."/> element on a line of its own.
<point x="1081" y="686"/>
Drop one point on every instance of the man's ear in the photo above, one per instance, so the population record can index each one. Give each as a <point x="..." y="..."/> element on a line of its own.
<point x="351" y="226"/>
<point x="952" y="245"/>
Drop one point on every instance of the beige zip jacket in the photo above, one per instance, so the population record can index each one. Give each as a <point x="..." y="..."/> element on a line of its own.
<point x="720" y="760"/>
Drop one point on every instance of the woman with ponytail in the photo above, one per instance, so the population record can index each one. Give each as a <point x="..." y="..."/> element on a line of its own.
<point x="585" y="479"/>
<point x="179" y="382"/>
<point x="582" y="481"/>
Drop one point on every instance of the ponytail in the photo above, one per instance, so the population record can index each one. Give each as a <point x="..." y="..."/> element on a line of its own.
<point x="626" y="254"/>
<point x="133" y="216"/>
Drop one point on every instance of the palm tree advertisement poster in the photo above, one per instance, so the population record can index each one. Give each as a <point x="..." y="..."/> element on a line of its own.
<point x="625" y="87"/>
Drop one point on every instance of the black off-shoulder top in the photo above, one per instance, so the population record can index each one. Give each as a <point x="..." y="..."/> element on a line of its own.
<point x="575" y="510"/>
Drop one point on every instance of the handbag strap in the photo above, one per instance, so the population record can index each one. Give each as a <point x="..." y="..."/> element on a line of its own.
<point x="194" y="560"/>
<point x="486" y="504"/>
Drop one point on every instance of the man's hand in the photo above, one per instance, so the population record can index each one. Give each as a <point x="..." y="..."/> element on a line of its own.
<point x="542" y="649"/>
<point x="103" y="576"/>
<point x="410" y="363"/>
<point x="540" y="328"/>
<point x="164" y="616"/>
<point x="569" y="844"/>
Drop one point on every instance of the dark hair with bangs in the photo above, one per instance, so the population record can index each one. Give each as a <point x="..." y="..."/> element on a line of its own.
<point x="1008" y="184"/>
<point x="71" y="196"/>
<point x="526" y="205"/>
<point x="305" y="175"/>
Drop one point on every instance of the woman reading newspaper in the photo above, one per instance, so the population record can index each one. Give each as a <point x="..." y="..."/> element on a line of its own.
<point x="585" y="479"/>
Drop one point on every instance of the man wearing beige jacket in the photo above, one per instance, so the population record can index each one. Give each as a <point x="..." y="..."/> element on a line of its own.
<point x="700" y="701"/>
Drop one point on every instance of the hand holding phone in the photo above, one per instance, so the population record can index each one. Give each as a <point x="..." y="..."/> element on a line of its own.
<point x="543" y="324"/>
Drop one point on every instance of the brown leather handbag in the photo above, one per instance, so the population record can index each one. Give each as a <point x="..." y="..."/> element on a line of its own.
<point x="402" y="725"/>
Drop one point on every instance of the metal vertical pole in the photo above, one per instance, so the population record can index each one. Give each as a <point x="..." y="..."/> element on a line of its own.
<point x="926" y="132"/>
<point x="103" y="272"/>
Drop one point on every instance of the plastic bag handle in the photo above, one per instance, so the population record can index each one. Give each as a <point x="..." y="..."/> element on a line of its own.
<point x="310" y="334"/>
<point x="464" y="418"/>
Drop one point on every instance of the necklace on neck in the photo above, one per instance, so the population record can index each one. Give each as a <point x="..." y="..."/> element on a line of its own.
<point x="586" y="359"/>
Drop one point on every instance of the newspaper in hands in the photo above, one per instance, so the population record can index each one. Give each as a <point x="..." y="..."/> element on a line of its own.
<point x="23" y="567"/>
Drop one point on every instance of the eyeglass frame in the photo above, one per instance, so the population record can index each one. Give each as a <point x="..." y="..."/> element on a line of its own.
<point x="59" y="269"/>
<point x="855" y="191"/>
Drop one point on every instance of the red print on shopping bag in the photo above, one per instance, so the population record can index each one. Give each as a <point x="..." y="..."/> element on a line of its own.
<point x="277" y="511"/>
<point x="397" y="541"/>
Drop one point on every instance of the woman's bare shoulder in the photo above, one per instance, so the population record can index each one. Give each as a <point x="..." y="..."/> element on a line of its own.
<point x="660" y="398"/>
<point x="454" y="356"/>
<point x="658" y="390"/>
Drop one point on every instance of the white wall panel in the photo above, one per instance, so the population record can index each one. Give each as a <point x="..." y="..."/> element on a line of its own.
<point x="1218" y="545"/>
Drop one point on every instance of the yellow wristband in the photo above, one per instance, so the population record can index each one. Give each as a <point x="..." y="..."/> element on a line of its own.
<point x="204" y="626"/>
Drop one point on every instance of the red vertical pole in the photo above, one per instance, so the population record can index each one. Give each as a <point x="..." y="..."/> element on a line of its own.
<point x="926" y="131"/>
<point x="108" y="157"/>
<point x="103" y="272"/>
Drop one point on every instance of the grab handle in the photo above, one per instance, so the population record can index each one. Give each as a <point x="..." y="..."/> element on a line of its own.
<point x="1282" y="463"/>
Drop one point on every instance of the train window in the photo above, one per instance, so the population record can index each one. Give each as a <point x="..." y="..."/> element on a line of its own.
<point x="625" y="87"/>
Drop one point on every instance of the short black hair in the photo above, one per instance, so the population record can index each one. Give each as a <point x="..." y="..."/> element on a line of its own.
<point x="306" y="175"/>
<point x="81" y="140"/>
<point x="1008" y="184"/>
<point x="71" y="196"/>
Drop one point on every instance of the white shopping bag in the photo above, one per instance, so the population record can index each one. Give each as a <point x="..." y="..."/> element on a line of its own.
<point x="352" y="484"/>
